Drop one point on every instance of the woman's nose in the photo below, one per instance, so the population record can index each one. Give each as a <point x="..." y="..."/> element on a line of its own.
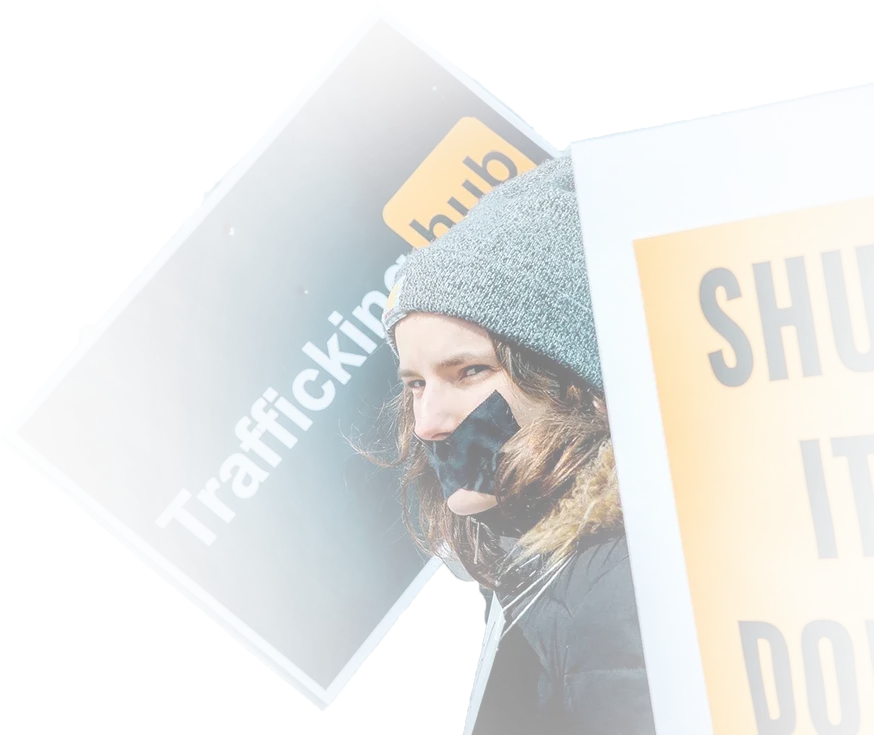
<point x="434" y="417"/>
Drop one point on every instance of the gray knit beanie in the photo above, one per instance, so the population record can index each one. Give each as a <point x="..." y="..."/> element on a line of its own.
<point x="514" y="266"/>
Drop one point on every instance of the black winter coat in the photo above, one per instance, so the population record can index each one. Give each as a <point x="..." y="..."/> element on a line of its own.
<point x="573" y="663"/>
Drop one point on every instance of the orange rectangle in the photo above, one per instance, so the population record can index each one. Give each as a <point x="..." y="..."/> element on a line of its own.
<point x="470" y="161"/>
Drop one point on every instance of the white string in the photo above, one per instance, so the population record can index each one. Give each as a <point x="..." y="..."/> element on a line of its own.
<point x="530" y="586"/>
<point x="536" y="597"/>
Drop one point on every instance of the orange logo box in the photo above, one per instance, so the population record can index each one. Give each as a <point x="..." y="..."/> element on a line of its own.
<point x="469" y="162"/>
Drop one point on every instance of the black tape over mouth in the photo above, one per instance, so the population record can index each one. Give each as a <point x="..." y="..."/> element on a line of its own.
<point x="468" y="457"/>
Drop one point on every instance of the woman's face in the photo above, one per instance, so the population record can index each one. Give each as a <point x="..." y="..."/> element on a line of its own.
<point x="449" y="367"/>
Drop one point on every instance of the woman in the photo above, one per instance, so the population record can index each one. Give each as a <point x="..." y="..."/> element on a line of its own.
<point x="503" y="435"/>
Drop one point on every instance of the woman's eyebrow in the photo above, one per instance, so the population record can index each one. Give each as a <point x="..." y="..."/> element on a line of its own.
<point x="451" y="361"/>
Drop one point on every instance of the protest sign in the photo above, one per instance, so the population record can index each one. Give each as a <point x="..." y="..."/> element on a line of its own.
<point x="734" y="301"/>
<point x="205" y="419"/>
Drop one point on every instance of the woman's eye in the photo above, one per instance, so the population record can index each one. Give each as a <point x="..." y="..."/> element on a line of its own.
<point x="469" y="372"/>
<point x="415" y="385"/>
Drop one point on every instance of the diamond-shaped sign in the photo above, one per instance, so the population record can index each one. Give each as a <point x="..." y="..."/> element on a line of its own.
<point x="201" y="422"/>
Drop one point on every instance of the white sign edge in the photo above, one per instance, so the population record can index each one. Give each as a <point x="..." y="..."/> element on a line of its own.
<point x="488" y="651"/>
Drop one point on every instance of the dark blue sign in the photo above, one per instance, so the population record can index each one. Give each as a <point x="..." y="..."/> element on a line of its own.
<point x="205" y="422"/>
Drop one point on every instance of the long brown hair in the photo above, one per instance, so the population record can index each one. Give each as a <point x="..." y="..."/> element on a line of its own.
<point x="555" y="474"/>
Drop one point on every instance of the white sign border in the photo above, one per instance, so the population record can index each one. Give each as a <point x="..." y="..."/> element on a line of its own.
<point x="488" y="652"/>
<point x="777" y="158"/>
<point x="321" y="696"/>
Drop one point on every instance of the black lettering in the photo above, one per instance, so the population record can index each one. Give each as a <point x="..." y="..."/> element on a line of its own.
<point x="838" y="304"/>
<point x="482" y="170"/>
<point x="458" y="206"/>
<point x="856" y="449"/>
<point x="428" y="232"/>
<point x="472" y="189"/>
<point x="845" y="669"/>
<point x="722" y="323"/>
<point x="798" y="315"/>
<point x="823" y="525"/>
<point x="751" y="632"/>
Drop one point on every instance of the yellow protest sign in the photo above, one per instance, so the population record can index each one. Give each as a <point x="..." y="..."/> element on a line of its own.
<point x="762" y="339"/>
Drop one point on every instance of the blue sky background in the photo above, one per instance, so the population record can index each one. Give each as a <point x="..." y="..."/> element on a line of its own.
<point x="173" y="91"/>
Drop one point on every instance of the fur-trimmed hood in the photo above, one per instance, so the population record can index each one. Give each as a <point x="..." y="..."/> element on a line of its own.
<point x="591" y="506"/>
